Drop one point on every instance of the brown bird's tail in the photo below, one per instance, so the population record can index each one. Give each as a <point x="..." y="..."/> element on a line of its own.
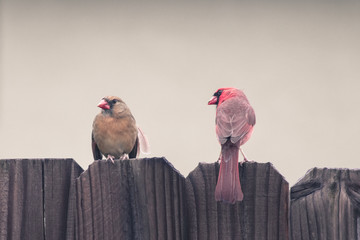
<point x="228" y="188"/>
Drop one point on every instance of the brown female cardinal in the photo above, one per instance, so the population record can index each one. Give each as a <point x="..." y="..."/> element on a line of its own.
<point x="235" y="119"/>
<point x="115" y="133"/>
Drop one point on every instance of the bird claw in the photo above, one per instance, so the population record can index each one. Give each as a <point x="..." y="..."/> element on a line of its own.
<point x="111" y="158"/>
<point x="243" y="161"/>
<point x="124" y="157"/>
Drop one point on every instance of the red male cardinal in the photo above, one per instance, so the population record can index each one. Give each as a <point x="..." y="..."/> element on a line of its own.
<point x="115" y="133"/>
<point x="235" y="119"/>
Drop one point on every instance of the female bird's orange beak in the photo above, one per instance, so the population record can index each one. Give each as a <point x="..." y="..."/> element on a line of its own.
<point x="213" y="100"/>
<point x="103" y="104"/>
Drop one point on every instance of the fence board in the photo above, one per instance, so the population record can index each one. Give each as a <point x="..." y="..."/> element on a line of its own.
<point x="22" y="199"/>
<point x="35" y="202"/>
<point x="263" y="214"/>
<point x="131" y="199"/>
<point x="325" y="205"/>
<point x="59" y="197"/>
<point x="139" y="199"/>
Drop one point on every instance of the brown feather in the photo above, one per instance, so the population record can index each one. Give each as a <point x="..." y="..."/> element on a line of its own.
<point x="96" y="152"/>
<point x="115" y="130"/>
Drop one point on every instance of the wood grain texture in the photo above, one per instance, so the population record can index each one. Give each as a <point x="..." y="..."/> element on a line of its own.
<point x="325" y="205"/>
<point x="131" y="199"/>
<point x="35" y="202"/>
<point x="60" y="197"/>
<point x="21" y="199"/>
<point x="263" y="214"/>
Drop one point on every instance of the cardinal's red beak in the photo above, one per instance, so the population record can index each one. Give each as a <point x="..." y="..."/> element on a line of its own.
<point x="103" y="104"/>
<point x="213" y="100"/>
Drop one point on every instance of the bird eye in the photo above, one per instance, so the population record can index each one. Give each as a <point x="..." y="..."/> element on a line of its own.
<point x="218" y="93"/>
<point x="114" y="101"/>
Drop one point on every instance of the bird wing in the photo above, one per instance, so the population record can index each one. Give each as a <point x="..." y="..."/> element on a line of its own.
<point x="234" y="119"/>
<point x="95" y="149"/>
<point x="135" y="151"/>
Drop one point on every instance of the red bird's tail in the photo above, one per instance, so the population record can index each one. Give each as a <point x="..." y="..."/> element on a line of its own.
<point x="228" y="188"/>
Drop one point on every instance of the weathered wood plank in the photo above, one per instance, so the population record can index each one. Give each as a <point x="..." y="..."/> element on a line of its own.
<point x="21" y="199"/>
<point x="325" y="205"/>
<point x="59" y="197"/>
<point x="263" y="214"/>
<point x="131" y="199"/>
<point x="37" y="198"/>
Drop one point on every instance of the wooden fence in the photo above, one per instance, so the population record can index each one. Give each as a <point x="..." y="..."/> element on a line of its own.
<point x="325" y="204"/>
<point x="37" y="199"/>
<point x="149" y="199"/>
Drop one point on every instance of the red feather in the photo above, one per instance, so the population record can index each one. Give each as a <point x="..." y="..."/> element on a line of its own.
<point x="235" y="119"/>
<point x="228" y="188"/>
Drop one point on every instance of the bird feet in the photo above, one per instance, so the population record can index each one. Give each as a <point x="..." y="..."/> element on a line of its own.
<point x="245" y="159"/>
<point x="124" y="156"/>
<point x="111" y="158"/>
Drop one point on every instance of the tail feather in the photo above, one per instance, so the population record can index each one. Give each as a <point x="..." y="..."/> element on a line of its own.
<point x="228" y="188"/>
<point x="143" y="142"/>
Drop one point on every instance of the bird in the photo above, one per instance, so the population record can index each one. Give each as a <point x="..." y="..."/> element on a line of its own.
<point x="235" y="120"/>
<point x="115" y="133"/>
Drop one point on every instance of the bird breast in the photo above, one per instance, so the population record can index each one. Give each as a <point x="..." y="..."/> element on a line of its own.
<point x="114" y="136"/>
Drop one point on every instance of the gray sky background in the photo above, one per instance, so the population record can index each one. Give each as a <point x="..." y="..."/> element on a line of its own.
<point x="298" y="63"/>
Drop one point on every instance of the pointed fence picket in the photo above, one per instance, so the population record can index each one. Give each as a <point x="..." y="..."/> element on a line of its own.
<point x="149" y="199"/>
